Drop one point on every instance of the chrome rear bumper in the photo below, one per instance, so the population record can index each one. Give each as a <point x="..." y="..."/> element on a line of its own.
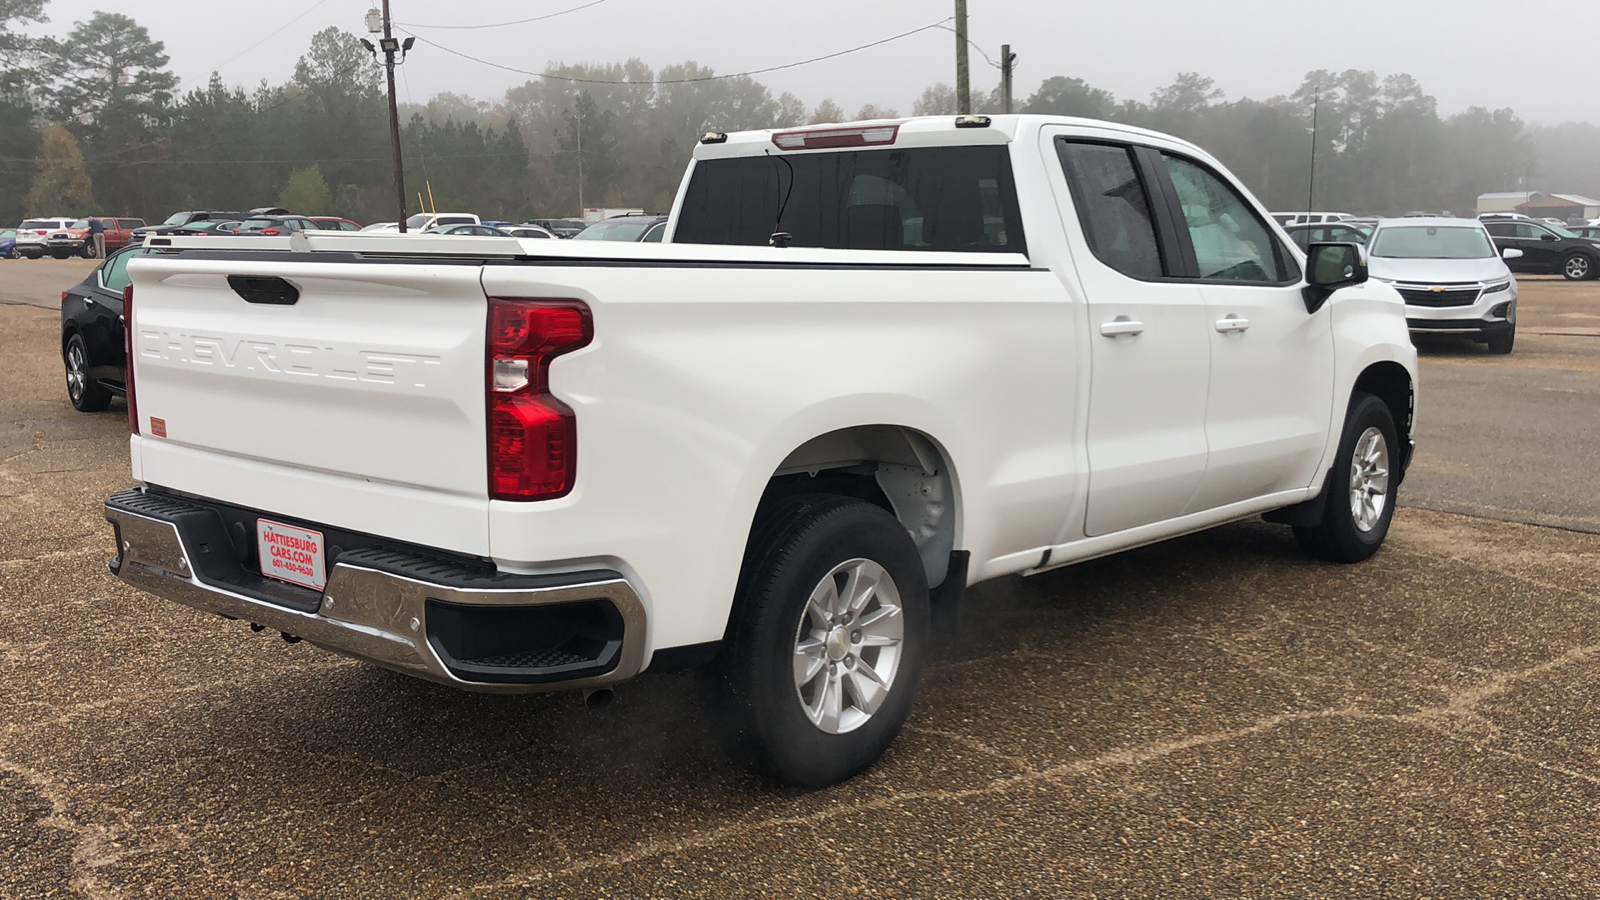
<point x="365" y="612"/>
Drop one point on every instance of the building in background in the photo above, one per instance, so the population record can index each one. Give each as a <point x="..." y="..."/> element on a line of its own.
<point x="1574" y="208"/>
<point x="1505" y="202"/>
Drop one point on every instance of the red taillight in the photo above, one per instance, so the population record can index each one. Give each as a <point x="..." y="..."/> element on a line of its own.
<point x="127" y="357"/>
<point x="826" y="138"/>
<point x="269" y="231"/>
<point x="533" y="437"/>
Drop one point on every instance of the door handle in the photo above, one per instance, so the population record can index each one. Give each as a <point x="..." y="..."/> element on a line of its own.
<point x="1231" y="323"/>
<point x="1122" y="325"/>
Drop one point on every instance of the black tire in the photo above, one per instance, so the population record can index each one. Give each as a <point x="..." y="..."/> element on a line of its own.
<point x="1503" y="342"/>
<point x="1339" y="537"/>
<point x="1578" y="267"/>
<point x="760" y="705"/>
<point x="86" y="394"/>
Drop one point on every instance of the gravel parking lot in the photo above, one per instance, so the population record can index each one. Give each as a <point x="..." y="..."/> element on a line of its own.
<point x="1217" y="716"/>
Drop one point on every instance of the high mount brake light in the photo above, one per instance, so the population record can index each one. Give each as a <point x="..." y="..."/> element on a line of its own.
<point x="532" y="436"/>
<point x="127" y="356"/>
<point x="827" y="138"/>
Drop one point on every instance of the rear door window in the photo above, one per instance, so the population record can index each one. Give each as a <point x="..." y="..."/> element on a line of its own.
<point x="1113" y="207"/>
<point x="958" y="199"/>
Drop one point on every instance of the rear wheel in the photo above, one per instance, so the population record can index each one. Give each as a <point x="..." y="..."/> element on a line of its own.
<point x="828" y="643"/>
<point x="1577" y="267"/>
<point x="1361" y="492"/>
<point x="86" y="394"/>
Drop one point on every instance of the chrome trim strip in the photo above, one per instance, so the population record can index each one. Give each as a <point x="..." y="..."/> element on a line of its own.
<point x="365" y="614"/>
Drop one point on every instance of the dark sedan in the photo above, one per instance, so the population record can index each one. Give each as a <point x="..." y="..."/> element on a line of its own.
<point x="276" y="225"/>
<point x="1332" y="233"/>
<point x="1546" y="249"/>
<point x="91" y="333"/>
<point x="193" y="229"/>
<point x="648" y="228"/>
<point x="470" y="230"/>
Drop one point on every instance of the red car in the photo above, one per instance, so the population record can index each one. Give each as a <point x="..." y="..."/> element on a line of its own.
<point x="334" y="223"/>
<point x="74" y="239"/>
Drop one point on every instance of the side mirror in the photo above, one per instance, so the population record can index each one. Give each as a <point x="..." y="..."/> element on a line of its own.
<point x="1330" y="267"/>
<point x="1547" y="236"/>
<point x="1511" y="253"/>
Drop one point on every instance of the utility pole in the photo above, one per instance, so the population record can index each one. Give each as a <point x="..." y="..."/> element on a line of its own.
<point x="1007" y="60"/>
<point x="391" y="46"/>
<point x="963" y="86"/>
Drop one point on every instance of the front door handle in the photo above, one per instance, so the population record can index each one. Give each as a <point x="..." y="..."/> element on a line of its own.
<point x="1231" y="323"/>
<point x="1122" y="325"/>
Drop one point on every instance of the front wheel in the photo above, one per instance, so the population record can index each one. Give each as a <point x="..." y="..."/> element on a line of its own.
<point x="828" y="643"/>
<point x="1503" y="342"/>
<point x="1361" y="489"/>
<point x="1577" y="267"/>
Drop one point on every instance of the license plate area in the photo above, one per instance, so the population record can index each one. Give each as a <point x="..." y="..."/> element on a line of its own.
<point x="295" y="555"/>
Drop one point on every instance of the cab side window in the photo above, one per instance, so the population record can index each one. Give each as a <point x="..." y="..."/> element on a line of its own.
<point x="1502" y="229"/>
<point x="1113" y="207"/>
<point x="1231" y="242"/>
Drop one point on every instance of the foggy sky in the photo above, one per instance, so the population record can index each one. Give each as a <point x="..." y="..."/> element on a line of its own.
<point x="1464" y="52"/>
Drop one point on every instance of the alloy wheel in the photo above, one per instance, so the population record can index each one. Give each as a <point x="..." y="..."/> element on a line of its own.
<point x="1578" y="268"/>
<point x="848" y="646"/>
<point x="1369" y="479"/>
<point x="77" y="372"/>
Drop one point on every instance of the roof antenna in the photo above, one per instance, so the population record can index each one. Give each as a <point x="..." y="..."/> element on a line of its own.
<point x="1311" y="179"/>
<point x="779" y="237"/>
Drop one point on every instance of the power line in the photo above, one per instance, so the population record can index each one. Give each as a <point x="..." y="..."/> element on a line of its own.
<point x="574" y="80"/>
<point x="269" y="37"/>
<point x="974" y="45"/>
<point x="504" y="24"/>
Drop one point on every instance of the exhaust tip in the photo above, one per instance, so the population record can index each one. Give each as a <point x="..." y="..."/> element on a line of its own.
<point x="595" y="698"/>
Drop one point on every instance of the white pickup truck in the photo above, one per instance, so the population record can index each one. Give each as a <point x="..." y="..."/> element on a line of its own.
<point x="873" y="364"/>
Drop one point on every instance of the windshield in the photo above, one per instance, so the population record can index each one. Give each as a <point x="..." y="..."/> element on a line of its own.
<point x="257" y="225"/>
<point x="614" y="231"/>
<point x="1558" y="230"/>
<point x="1432" y="242"/>
<point x="177" y="218"/>
<point x="81" y="223"/>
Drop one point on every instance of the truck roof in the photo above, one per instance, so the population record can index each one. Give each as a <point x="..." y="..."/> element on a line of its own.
<point x="915" y="131"/>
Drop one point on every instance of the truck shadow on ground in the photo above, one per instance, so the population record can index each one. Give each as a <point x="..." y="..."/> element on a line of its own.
<point x="335" y="757"/>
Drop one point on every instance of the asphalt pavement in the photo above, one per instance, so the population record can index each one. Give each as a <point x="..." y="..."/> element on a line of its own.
<point x="1214" y="716"/>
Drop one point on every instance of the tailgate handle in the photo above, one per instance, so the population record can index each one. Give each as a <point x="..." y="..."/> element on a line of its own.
<point x="268" y="289"/>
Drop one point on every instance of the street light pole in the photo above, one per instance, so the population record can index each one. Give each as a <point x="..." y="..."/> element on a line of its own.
<point x="390" y="48"/>
<point x="963" y="87"/>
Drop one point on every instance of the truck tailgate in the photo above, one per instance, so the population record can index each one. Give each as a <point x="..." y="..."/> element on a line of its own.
<point x="369" y="386"/>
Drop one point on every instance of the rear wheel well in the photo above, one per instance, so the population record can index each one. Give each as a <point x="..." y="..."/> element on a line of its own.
<point x="898" y="469"/>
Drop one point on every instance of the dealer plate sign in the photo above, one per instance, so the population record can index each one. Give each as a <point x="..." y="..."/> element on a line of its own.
<point x="291" y="554"/>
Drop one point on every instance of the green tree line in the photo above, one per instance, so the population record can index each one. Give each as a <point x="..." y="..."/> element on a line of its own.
<point x="95" y="122"/>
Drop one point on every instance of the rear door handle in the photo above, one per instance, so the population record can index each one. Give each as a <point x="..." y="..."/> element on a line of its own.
<point x="1231" y="323"/>
<point x="1122" y="325"/>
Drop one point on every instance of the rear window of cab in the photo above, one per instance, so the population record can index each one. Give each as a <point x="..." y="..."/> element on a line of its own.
<point x="952" y="199"/>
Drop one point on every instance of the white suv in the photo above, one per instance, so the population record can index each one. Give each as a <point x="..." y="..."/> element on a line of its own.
<point x="1450" y="276"/>
<point x="31" y="234"/>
